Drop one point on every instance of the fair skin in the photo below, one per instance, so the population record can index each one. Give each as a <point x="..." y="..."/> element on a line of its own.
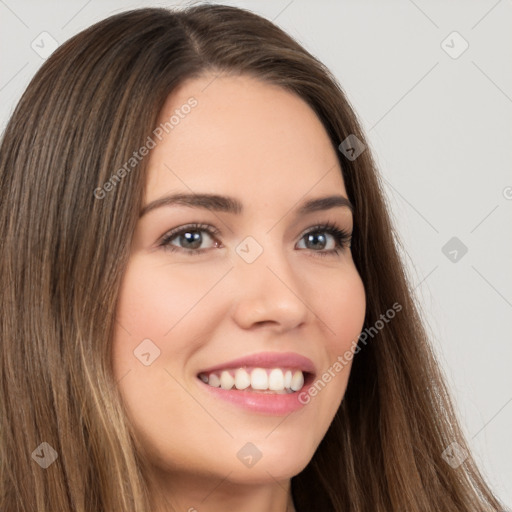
<point x="265" y="147"/>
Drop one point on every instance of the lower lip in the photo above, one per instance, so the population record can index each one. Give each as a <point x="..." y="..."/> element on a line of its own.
<point x="264" y="403"/>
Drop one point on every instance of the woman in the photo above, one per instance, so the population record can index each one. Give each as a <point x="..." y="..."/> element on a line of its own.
<point x="278" y="362"/>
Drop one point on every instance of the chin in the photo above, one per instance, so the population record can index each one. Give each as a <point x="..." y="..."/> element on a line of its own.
<point x="276" y="463"/>
<point x="274" y="470"/>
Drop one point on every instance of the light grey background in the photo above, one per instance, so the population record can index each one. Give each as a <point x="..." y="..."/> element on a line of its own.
<point x="440" y="129"/>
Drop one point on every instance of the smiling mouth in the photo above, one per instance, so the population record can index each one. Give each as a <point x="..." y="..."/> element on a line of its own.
<point x="278" y="381"/>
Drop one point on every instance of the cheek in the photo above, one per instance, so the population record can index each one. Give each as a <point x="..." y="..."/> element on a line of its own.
<point x="157" y="328"/>
<point x="152" y="300"/>
<point x="150" y="305"/>
<point x="341" y="311"/>
<point x="157" y="300"/>
<point x="153" y="341"/>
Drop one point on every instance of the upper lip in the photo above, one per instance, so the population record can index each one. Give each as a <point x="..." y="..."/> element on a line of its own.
<point x="267" y="360"/>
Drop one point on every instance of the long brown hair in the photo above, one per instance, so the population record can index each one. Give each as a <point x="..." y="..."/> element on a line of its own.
<point x="63" y="252"/>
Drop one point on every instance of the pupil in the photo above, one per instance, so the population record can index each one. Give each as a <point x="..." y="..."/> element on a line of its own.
<point x="192" y="238"/>
<point x="315" y="237"/>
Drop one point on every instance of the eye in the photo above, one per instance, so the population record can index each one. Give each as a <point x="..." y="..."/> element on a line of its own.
<point x="316" y="238"/>
<point x="191" y="238"/>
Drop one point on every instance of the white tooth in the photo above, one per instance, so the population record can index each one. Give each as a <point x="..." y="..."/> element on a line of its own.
<point x="287" y="379"/>
<point x="242" y="379"/>
<point x="276" y="380"/>
<point x="226" y="380"/>
<point x="297" y="381"/>
<point x="259" y="379"/>
<point x="214" y="380"/>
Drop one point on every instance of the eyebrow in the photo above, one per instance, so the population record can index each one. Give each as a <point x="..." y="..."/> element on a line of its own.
<point x="232" y="205"/>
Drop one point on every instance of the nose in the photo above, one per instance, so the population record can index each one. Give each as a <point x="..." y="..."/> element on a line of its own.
<point x="268" y="291"/>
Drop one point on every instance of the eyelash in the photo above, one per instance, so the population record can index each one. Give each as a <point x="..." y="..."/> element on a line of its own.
<point x="341" y="237"/>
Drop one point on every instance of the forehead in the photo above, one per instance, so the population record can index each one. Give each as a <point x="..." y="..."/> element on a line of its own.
<point x="243" y="137"/>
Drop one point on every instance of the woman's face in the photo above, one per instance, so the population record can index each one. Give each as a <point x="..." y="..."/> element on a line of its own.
<point x="265" y="302"/>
